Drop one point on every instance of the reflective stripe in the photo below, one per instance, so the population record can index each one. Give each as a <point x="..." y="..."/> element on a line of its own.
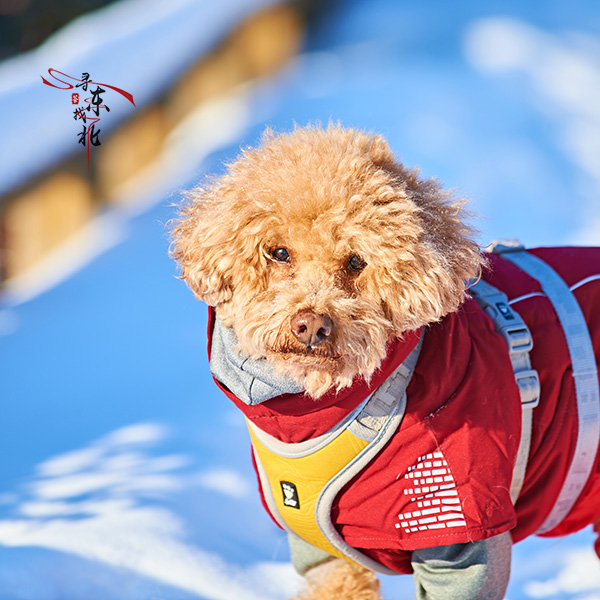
<point x="585" y="375"/>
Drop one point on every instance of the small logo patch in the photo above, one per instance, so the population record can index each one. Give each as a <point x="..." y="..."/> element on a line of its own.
<point x="290" y="494"/>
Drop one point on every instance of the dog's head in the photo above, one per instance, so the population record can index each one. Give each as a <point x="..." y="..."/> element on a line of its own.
<point x="318" y="247"/>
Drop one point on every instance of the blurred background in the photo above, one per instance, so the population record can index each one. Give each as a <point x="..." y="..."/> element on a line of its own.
<point x="125" y="474"/>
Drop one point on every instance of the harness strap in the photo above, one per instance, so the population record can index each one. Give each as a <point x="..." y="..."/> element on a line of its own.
<point x="373" y="417"/>
<point x="585" y="375"/>
<point x="379" y="420"/>
<point x="519" y="340"/>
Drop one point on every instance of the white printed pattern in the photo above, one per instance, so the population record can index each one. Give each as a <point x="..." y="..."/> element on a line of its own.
<point x="433" y="495"/>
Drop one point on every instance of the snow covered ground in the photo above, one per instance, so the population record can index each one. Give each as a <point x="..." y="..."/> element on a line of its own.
<point x="126" y="475"/>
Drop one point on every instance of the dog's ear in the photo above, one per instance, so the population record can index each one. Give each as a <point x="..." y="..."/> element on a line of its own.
<point x="434" y="253"/>
<point x="201" y="244"/>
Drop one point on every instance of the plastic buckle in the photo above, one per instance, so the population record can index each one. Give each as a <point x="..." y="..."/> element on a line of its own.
<point x="528" y="382"/>
<point x="497" y="308"/>
<point x="507" y="322"/>
<point x="517" y="337"/>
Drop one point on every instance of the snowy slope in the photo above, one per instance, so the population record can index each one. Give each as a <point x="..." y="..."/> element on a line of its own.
<point x="140" y="46"/>
<point x="126" y="473"/>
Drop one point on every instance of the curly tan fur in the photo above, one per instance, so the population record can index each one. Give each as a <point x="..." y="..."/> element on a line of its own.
<point x="340" y="580"/>
<point x="325" y="195"/>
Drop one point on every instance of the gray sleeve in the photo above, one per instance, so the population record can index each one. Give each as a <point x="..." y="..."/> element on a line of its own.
<point x="473" y="571"/>
<point x="305" y="556"/>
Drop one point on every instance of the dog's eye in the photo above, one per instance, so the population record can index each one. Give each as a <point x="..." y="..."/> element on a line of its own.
<point x="356" y="263"/>
<point x="280" y="255"/>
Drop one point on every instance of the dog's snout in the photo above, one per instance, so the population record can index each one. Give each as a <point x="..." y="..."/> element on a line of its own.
<point x="310" y="328"/>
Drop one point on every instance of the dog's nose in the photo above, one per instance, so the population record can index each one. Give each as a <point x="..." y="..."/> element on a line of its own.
<point x="310" y="328"/>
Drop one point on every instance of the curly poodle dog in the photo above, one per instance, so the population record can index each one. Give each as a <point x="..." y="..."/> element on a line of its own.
<point x="393" y="430"/>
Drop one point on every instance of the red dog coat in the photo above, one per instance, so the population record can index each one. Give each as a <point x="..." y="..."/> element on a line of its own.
<point x="461" y="426"/>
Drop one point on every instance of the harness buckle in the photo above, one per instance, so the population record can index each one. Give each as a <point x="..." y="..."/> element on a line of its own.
<point x="516" y="334"/>
<point x="528" y="383"/>
<point x="518" y="337"/>
<point x="508" y="323"/>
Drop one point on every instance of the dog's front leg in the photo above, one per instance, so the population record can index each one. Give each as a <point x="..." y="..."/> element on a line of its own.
<point x="338" y="579"/>
<point x="329" y="578"/>
<point x="473" y="571"/>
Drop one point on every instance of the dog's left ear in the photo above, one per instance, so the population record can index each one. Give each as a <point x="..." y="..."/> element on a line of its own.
<point x="432" y="269"/>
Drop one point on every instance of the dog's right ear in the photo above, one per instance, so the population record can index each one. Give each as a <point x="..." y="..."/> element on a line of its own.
<point x="200" y="247"/>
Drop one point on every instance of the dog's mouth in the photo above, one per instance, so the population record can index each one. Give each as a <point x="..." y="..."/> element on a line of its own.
<point x="320" y="354"/>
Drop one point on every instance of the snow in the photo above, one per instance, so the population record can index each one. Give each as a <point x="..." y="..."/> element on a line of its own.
<point x="579" y="574"/>
<point x="226" y="481"/>
<point x="564" y="74"/>
<point x="127" y="473"/>
<point x="89" y="502"/>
